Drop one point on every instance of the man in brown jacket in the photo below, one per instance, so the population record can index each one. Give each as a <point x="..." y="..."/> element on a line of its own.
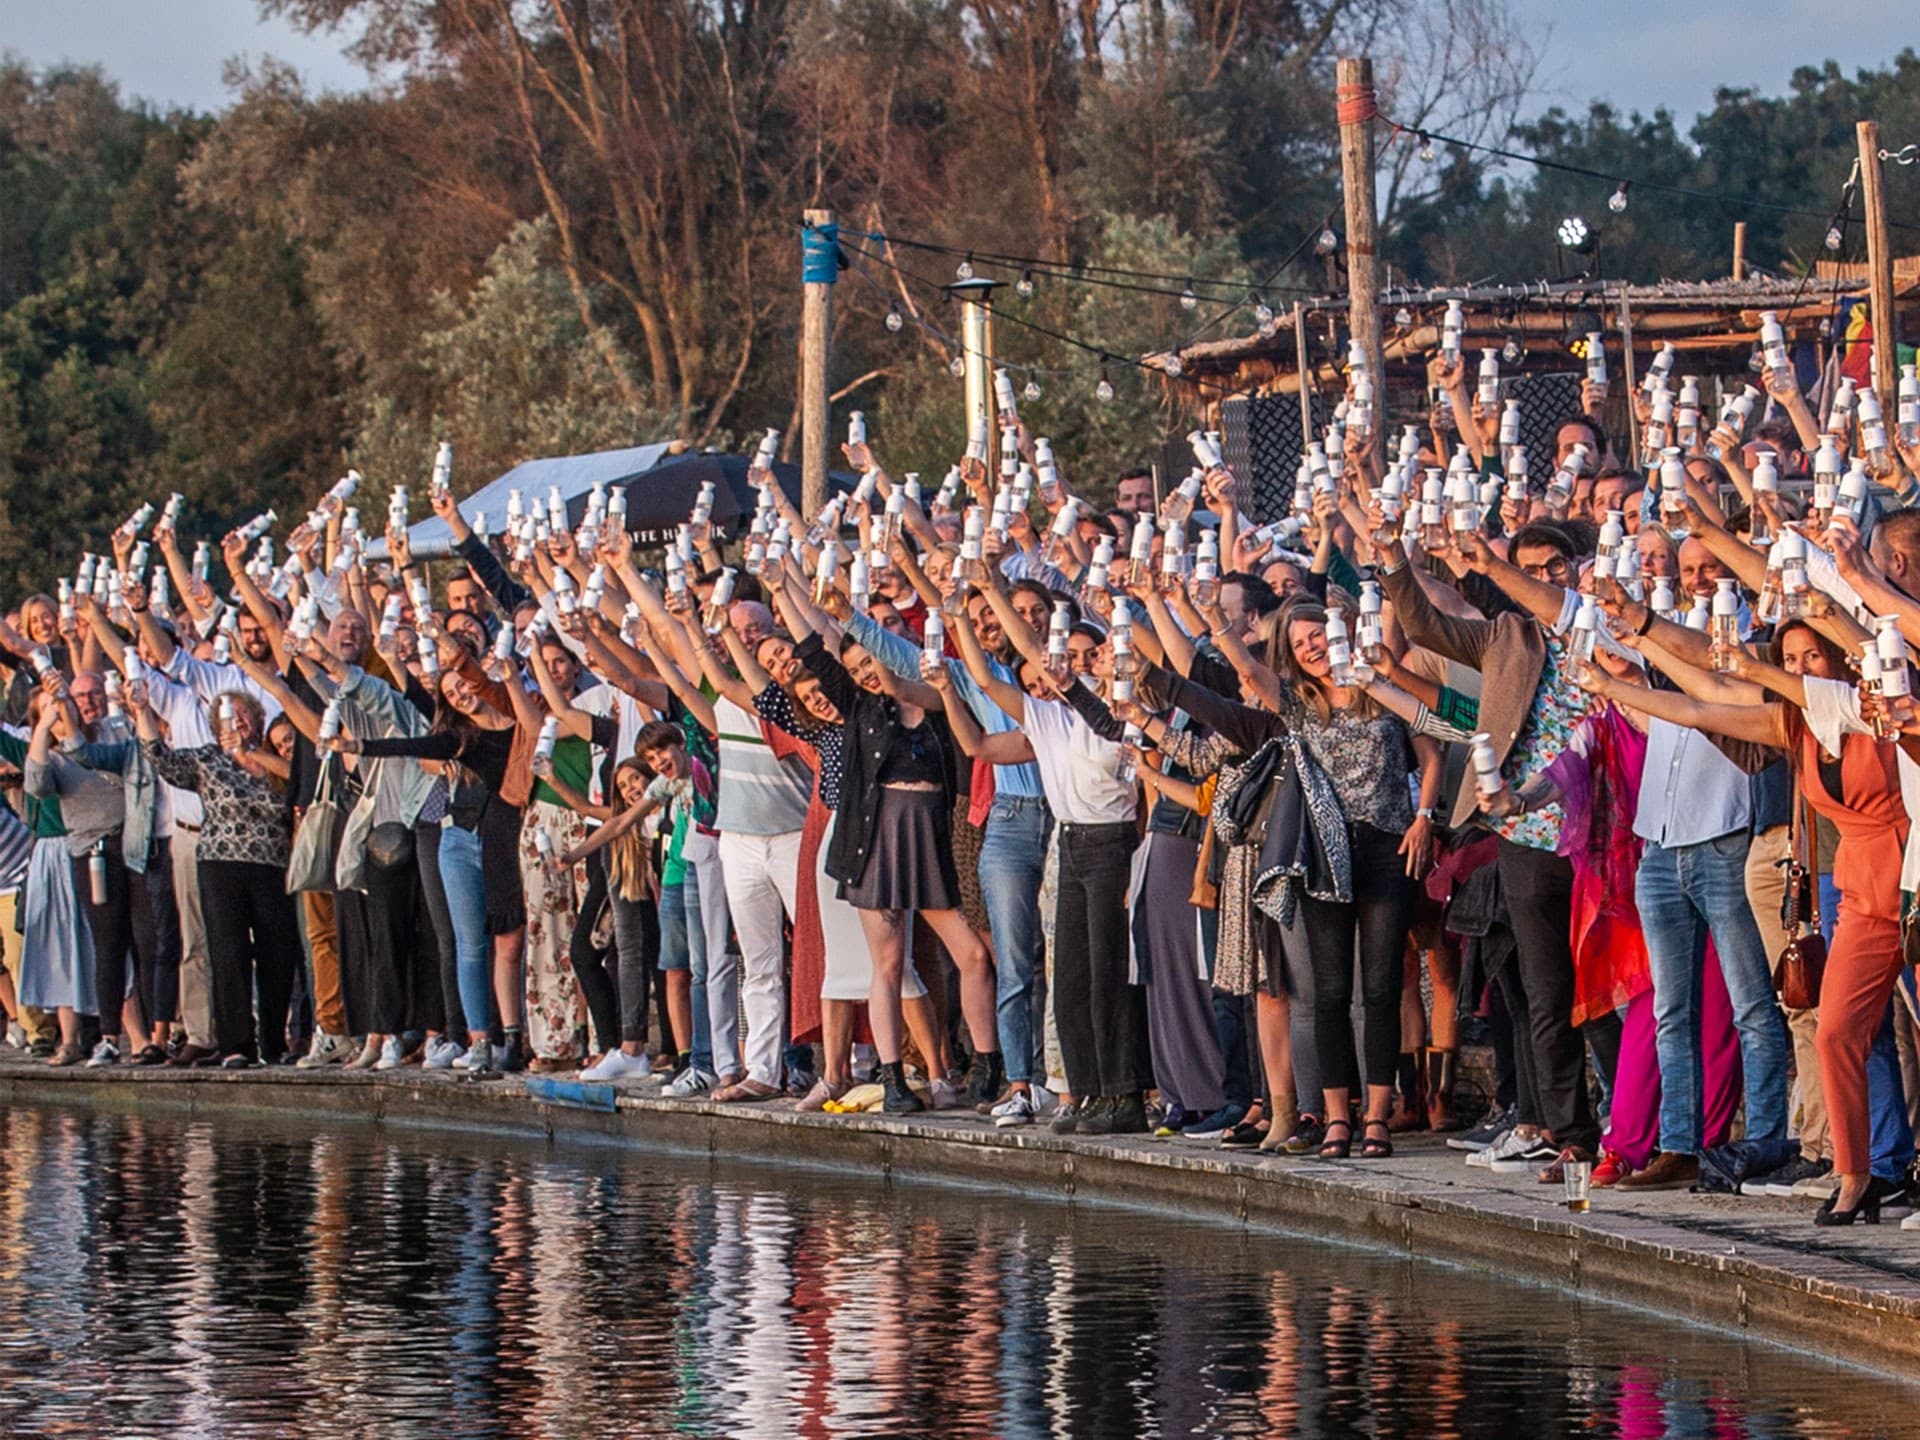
<point x="1529" y="707"/>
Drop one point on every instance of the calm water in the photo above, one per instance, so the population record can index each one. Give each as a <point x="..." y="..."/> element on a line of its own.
<point x="239" y="1278"/>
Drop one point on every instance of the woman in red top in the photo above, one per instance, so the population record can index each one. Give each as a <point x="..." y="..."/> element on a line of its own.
<point x="1859" y="791"/>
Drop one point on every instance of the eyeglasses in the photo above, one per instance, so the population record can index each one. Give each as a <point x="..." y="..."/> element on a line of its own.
<point x="1554" y="569"/>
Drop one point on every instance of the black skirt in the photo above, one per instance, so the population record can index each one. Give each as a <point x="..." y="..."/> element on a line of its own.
<point x="500" y="867"/>
<point x="911" y="867"/>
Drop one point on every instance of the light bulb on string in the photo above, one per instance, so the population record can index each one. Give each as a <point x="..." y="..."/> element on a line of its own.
<point x="1403" y="317"/>
<point x="1511" y="353"/>
<point x="1031" y="390"/>
<point x="1188" y="300"/>
<point x="895" y="320"/>
<point x="1834" y="237"/>
<point x="1262" y="312"/>
<point x="1023" y="287"/>
<point x="1826" y="328"/>
<point x="1328" y="242"/>
<point x="1104" y="390"/>
<point x="1427" y="152"/>
<point x="957" y="367"/>
<point x="964" y="270"/>
<point x="1174" y="368"/>
<point x="1617" y="202"/>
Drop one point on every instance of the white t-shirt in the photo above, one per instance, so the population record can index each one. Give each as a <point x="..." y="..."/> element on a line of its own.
<point x="1833" y="713"/>
<point x="1079" y="771"/>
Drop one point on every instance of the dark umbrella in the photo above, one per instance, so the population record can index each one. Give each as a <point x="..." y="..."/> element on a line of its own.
<point x="659" y="500"/>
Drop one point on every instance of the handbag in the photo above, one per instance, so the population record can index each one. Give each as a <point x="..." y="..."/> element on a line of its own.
<point x="310" y="866"/>
<point x="1802" y="964"/>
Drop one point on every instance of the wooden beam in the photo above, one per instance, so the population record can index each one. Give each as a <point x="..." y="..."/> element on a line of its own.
<point x="816" y="325"/>
<point x="1739" y="249"/>
<point x="1357" y="109"/>
<point x="1886" y="322"/>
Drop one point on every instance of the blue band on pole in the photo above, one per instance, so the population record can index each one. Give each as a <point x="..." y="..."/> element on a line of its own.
<point x="820" y="254"/>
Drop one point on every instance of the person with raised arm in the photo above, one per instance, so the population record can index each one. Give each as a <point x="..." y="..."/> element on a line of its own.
<point x="891" y="848"/>
<point x="1853" y="780"/>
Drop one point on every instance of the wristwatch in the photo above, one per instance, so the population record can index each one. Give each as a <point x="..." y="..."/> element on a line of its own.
<point x="1429" y="813"/>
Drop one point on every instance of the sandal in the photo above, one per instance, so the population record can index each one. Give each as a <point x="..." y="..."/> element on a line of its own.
<point x="1337" y="1149"/>
<point x="1377" y="1149"/>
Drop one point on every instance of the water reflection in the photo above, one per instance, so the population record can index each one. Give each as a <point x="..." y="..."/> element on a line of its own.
<point x="231" y="1278"/>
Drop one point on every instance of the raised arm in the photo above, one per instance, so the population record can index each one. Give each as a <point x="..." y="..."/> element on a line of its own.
<point x="1762" y="724"/>
<point x="1009" y="698"/>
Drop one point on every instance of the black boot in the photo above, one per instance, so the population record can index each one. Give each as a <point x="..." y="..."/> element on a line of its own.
<point x="986" y="1078"/>
<point x="900" y="1097"/>
<point x="1117" y="1115"/>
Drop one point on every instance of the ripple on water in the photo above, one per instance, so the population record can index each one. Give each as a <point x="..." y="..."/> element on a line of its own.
<point x="241" y="1279"/>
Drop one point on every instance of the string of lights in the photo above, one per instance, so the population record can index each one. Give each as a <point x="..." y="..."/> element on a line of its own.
<point x="1105" y="355"/>
<point x="1192" y="292"/>
<point x="1623" y="184"/>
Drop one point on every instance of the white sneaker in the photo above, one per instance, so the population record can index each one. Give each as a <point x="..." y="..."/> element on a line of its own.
<point x="618" y="1065"/>
<point x="690" y="1082"/>
<point x="441" y="1053"/>
<point x="1483" y="1159"/>
<point x="326" y="1050"/>
<point x="1912" y="1222"/>
<point x="477" y="1057"/>
<point x="106" y="1053"/>
<point x="1820" y="1187"/>
<point x="391" y="1055"/>
<point x="16" y="1035"/>
<point x="1534" y="1154"/>
<point x="1017" y="1109"/>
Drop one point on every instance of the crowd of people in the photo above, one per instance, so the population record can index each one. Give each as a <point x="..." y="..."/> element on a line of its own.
<point x="1150" y="818"/>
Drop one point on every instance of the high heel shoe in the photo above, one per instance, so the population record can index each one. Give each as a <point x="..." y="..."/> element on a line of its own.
<point x="1337" y="1147"/>
<point x="1866" y="1209"/>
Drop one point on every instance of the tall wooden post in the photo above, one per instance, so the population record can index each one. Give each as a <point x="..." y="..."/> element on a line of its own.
<point x="1357" y="109"/>
<point x="816" y="325"/>
<point x="1739" y="249"/>
<point x="1886" y="326"/>
<point x="1306" y="379"/>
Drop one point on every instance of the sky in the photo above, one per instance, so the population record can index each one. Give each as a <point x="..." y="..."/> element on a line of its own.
<point x="1638" y="54"/>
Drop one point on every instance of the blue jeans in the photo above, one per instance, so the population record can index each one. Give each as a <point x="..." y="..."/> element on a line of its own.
<point x="465" y="882"/>
<point x="1684" y="895"/>
<point x="679" y="950"/>
<point x="1013" y="858"/>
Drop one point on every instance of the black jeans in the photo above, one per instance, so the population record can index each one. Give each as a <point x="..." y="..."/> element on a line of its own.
<point x="122" y="929"/>
<point x="160" y="998"/>
<point x="597" y="983"/>
<point x="253" y="943"/>
<point x="1379" y="916"/>
<point x="1102" y="1019"/>
<point x="426" y="845"/>
<point x="636" y="936"/>
<point x="1539" y="892"/>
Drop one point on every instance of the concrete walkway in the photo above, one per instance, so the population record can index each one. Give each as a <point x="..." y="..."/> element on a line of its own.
<point x="1757" y="1266"/>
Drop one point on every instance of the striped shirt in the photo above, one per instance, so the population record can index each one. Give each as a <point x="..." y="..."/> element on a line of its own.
<point x="760" y="794"/>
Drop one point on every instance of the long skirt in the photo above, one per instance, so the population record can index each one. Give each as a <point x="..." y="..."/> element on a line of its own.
<point x="57" y="963"/>
<point x="1185" y="1047"/>
<point x="551" y="903"/>
<point x="812" y="948"/>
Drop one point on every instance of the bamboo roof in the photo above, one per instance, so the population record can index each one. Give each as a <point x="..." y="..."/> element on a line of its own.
<point x="1693" y="315"/>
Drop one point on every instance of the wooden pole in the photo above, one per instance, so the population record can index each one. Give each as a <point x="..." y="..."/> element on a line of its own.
<point x="1357" y="110"/>
<point x="1628" y="374"/>
<point x="1886" y="326"/>
<point x="1306" y="381"/>
<point x="816" y="325"/>
<point x="1739" y="249"/>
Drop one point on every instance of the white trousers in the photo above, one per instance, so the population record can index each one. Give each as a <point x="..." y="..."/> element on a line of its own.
<point x="762" y="878"/>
